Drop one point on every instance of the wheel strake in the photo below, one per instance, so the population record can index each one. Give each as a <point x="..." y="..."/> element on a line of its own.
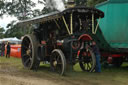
<point x="29" y="52"/>
<point x="58" y="61"/>
<point x="87" y="60"/>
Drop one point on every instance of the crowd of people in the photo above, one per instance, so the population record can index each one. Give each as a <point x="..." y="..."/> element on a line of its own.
<point x="5" y="45"/>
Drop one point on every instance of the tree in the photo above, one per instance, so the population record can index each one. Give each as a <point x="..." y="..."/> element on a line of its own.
<point x="2" y="32"/>
<point x="13" y="30"/>
<point x="92" y="3"/>
<point x="22" y="9"/>
<point x="80" y="2"/>
<point x="2" y="10"/>
<point x="19" y="8"/>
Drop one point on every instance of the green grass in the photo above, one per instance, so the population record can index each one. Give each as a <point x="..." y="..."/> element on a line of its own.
<point x="109" y="76"/>
<point x="12" y="60"/>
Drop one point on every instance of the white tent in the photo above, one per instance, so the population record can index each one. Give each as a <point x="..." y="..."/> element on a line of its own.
<point x="11" y="40"/>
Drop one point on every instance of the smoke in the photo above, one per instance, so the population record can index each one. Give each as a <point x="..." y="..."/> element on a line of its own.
<point x="55" y="4"/>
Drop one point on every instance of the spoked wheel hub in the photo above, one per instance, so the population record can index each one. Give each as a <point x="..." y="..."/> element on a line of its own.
<point x="87" y="60"/>
<point x="58" y="62"/>
<point x="29" y="52"/>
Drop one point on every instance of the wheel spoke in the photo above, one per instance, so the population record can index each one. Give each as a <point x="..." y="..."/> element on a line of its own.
<point x="30" y="46"/>
<point x="87" y="63"/>
<point x="59" y="68"/>
<point x="58" y="56"/>
<point x="27" y="61"/>
<point x="25" y="55"/>
<point x="89" y="66"/>
<point x="27" y="41"/>
<point x="25" y="47"/>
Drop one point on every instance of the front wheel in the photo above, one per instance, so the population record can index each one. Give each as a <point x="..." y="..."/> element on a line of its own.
<point x="29" y="52"/>
<point x="58" y="61"/>
<point x="87" y="60"/>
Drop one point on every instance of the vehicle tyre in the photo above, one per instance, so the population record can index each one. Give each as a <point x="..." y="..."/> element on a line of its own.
<point x="58" y="61"/>
<point x="29" y="49"/>
<point x="87" y="60"/>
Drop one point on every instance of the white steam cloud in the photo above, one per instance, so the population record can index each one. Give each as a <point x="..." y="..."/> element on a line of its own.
<point x="55" y="4"/>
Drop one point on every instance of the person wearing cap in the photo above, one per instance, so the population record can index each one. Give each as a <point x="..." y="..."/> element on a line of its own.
<point x="8" y="50"/>
<point x="97" y="55"/>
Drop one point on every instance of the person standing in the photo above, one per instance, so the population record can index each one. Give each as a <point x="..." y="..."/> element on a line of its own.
<point x="97" y="55"/>
<point x="8" y="50"/>
<point x="2" y="48"/>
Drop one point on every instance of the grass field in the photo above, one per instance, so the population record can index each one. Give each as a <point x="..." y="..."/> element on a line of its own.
<point x="109" y="76"/>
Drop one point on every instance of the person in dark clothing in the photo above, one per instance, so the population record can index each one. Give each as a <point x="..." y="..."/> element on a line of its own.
<point x="8" y="50"/>
<point x="2" y="49"/>
<point x="97" y="54"/>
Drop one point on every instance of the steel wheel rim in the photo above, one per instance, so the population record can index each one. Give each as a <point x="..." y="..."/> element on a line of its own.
<point x="56" y="63"/>
<point x="86" y="61"/>
<point x="27" y="52"/>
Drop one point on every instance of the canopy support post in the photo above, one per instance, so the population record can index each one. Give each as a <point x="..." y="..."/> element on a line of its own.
<point x="97" y="26"/>
<point x="66" y="25"/>
<point x="71" y="24"/>
<point x="57" y="24"/>
<point x="92" y="23"/>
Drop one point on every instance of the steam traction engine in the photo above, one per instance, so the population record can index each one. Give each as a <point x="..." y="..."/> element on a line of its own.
<point x="61" y="39"/>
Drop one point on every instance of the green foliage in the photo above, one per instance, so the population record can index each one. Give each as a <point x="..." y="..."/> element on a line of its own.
<point x="80" y="2"/>
<point x="47" y="10"/>
<point x="22" y="9"/>
<point x="2" y="10"/>
<point x="92" y="3"/>
<point x="14" y="30"/>
<point x="1" y="32"/>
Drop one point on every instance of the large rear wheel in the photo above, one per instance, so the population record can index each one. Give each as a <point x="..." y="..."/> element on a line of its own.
<point x="58" y="61"/>
<point x="29" y="52"/>
<point x="87" y="60"/>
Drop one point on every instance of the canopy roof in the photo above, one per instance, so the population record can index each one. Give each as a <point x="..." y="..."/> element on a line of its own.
<point x="56" y="15"/>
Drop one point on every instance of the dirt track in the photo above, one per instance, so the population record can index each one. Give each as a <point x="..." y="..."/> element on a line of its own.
<point x="12" y="72"/>
<point x="11" y="75"/>
<point x="13" y="80"/>
<point x="8" y="77"/>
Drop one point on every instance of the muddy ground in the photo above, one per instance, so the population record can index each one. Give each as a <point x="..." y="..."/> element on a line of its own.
<point x="12" y="73"/>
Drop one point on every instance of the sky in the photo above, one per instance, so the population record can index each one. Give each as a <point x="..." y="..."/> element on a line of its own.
<point x="7" y="19"/>
<point x="57" y="4"/>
